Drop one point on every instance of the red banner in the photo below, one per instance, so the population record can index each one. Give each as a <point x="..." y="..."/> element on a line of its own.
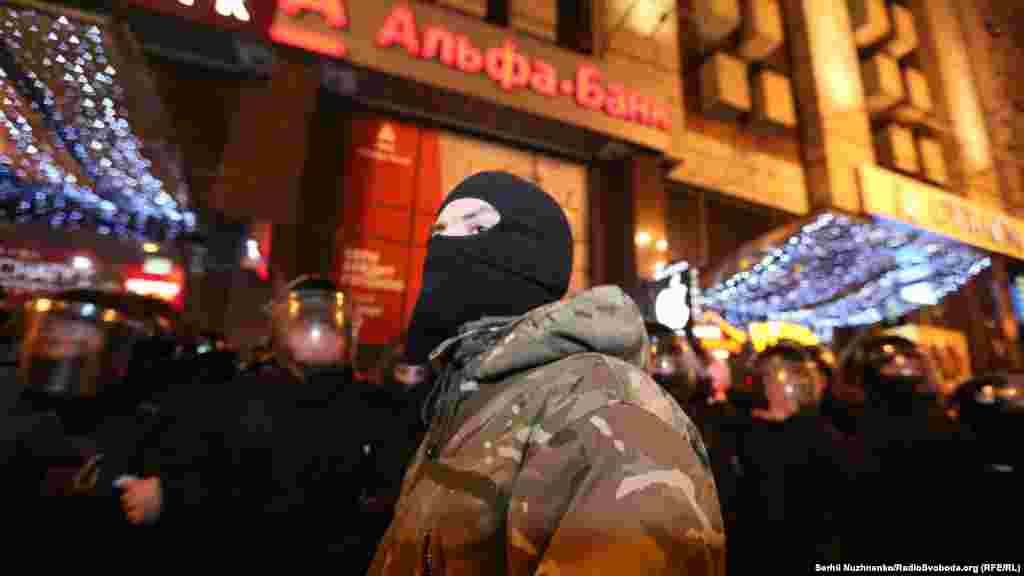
<point x="392" y="190"/>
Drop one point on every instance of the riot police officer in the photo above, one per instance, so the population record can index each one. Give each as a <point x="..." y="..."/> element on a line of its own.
<point x="90" y="363"/>
<point x="273" y="457"/>
<point x="772" y="454"/>
<point x="904" y="442"/>
<point x="993" y="407"/>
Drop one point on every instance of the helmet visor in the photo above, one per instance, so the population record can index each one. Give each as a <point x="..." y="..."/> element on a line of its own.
<point x="74" y="349"/>
<point x="314" y="329"/>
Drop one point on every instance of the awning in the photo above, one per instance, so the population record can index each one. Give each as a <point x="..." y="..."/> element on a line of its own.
<point x="82" y="143"/>
<point x="831" y="269"/>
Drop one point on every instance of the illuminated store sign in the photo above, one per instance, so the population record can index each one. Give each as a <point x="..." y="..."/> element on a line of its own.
<point x="19" y="276"/>
<point x="891" y="195"/>
<point x="233" y="14"/>
<point x="510" y="69"/>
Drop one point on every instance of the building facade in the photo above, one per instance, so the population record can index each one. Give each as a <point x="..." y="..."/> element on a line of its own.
<point x="687" y="130"/>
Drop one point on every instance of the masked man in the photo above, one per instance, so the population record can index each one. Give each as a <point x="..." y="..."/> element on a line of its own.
<point x="550" y="451"/>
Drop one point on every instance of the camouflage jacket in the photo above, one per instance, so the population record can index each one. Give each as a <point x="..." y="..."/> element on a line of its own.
<point x="566" y="459"/>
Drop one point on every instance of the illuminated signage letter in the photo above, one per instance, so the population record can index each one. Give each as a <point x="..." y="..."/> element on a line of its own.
<point x="544" y="80"/>
<point x="589" y="93"/>
<point x="286" y="29"/>
<point x="468" y="59"/>
<point x="615" y="105"/>
<point x="662" y="120"/>
<point x="332" y="11"/>
<point x="438" y="40"/>
<point x="507" y="67"/>
<point x="232" y="9"/>
<point x="639" y="108"/>
<point x="400" y="28"/>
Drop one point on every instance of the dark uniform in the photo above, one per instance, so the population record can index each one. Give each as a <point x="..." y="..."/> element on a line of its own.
<point x="911" y="461"/>
<point x="270" y="463"/>
<point x="89" y="364"/>
<point x="773" y="456"/>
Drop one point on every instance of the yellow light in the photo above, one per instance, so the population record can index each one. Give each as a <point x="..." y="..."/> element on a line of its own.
<point x="340" y="317"/>
<point x="720" y="354"/>
<point x="110" y="315"/>
<point x="42" y="305"/>
<point x="662" y="246"/>
<point x="151" y="247"/>
<point x="341" y="297"/>
<point x="707" y="332"/>
<point x="643" y="239"/>
<point x="293" y="307"/>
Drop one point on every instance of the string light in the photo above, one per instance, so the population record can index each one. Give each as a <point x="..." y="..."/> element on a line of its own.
<point x="74" y="158"/>
<point x="836" y="271"/>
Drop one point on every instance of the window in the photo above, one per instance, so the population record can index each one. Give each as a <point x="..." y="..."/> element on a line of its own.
<point x="498" y="12"/>
<point x="575" y="25"/>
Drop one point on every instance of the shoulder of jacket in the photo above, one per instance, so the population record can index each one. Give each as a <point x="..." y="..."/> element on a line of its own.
<point x="596" y="376"/>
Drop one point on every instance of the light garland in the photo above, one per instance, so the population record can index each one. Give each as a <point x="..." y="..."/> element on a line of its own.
<point x="73" y="158"/>
<point x="838" y="271"/>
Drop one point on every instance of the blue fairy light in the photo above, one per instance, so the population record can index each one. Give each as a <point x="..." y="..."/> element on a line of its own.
<point x="63" y="110"/>
<point x="839" y="272"/>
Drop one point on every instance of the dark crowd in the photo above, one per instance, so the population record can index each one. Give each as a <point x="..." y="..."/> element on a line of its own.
<point x="513" y="430"/>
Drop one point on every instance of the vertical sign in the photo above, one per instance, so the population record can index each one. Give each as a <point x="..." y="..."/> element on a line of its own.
<point x="389" y="199"/>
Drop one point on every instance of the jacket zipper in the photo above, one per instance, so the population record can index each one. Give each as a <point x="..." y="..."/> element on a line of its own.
<point x="428" y="563"/>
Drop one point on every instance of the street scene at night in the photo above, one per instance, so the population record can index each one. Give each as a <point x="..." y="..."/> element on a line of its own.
<point x="518" y="287"/>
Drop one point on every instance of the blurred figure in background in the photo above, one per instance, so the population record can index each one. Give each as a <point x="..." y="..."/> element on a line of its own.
<point x="271" y="459"/>
<point x="396" y="394"/>
<point x="772" y="453"/>
<point x="825" y="362"/>
<point x="673" y="364"/>
<point x="992" y="407"/>
<point x="215" y="362"/>
<point x="8" y="354"/>
<point x="887" y="402"/>
<point x="90" y="364"/>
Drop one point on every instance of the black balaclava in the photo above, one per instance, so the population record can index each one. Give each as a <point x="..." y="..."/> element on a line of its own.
<point x="523" y="262"/>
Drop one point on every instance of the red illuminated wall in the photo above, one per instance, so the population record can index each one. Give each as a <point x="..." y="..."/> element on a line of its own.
<point x="392" y="191"/>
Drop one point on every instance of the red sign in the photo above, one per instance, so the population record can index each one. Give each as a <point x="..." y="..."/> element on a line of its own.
<point x="162" y="285"/>
<point x="504" y="64"/>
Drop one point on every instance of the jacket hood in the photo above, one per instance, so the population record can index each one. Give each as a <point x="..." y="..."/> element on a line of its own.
<point x="601" y="320"/>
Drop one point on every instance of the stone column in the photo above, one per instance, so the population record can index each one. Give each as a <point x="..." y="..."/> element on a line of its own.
<point x="945" y="59"/>
<point x="261" y="171"/>
<point x="612" y="252"/>
<point x="835" y="122"/>
<point x="628" y="215"/>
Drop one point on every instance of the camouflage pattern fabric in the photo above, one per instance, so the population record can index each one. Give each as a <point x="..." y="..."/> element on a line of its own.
<point x="575" y="463"/>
